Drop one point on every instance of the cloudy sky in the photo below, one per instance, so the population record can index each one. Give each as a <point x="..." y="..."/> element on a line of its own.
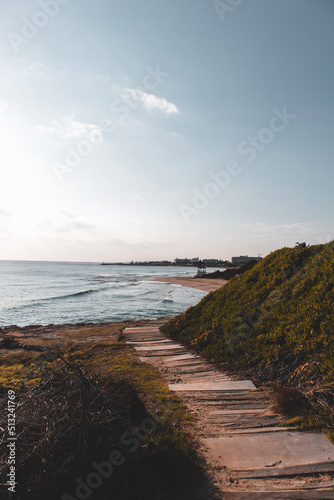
<point x="155" y="129"/>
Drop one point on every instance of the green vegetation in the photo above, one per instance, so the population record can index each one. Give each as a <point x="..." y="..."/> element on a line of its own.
<point x="274" y="322"/>
<point x="230" y="272"/>
<point x="82" y="398"/>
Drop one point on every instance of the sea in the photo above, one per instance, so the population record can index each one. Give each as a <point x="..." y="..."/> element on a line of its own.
<point x="43" y="293"/>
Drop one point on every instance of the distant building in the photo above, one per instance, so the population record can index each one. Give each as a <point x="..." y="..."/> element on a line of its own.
<point x="187" y="262"/>
<point x="243" y="259"/>
<point x="181" y="262"/>
<point x="212" y="262"/>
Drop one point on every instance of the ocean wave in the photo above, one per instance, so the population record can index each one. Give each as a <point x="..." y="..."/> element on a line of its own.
<point x="149" y="292"/>
<point x="101" y="279"/>
<point x="76" y="294"/>
<point x="123" y="282"/>
<point x="35" y="302"/>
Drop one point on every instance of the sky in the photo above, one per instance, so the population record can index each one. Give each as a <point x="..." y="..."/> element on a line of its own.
<point x="154" y="130"/>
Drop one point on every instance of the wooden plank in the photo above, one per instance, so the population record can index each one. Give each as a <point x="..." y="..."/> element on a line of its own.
<point x="309" y="494"/>
<point x="159" y="355"/>
<point x="266" y="454"/>
<point x="194" y="364"/>
<point x="142" y="329"/>
<point x="231" y="395"/>
<point x="187" y="356"/>
<point x="159" y="348"/>
<point x="243" y="418"/>
<point x="218" y="386"/>
<point x="296" y="470"/>
<point x="246" y="411"/>
<point x="246" y="425"/>
<point x="234" y="432"/>
<point x="148" y="342"/>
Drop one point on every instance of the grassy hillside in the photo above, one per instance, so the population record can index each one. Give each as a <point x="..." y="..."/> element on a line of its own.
<point x="275" y="321"/>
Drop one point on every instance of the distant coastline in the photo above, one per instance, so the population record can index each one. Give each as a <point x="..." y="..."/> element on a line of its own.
<point x="194" y="262"/>
<point x="165" y="264"/>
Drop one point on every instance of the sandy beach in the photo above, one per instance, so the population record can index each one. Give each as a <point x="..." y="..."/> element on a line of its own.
<point x="207" y="285"/>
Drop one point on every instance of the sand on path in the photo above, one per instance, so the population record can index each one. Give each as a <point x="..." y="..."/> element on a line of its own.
<point x="205" y="284"/>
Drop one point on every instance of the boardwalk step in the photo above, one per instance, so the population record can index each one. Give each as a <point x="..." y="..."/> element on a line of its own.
<point x="263" y="455"/>
<point x="243" y="438"/>
<point x="309" y="494"/>
<point x="297" y="470"/>
<point x="233" y="385"/>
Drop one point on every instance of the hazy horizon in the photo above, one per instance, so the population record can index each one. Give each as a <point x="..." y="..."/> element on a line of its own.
<point x="151" y="131"/>
<point x="110" y="261"/>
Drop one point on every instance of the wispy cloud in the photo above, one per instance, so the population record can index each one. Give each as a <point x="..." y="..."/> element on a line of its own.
<point x="4" y="223"/>
<point x="136" y="197"/>
<point x="3" y="107"/>
<point x="4" y="213"/>
<point x="71" y="128"/>
<point x="35" y="68"/>
<point x="150" y="101"/>
<point x="63" y="225"/>
<point x="66" y="222"/>
<point x="142" y="242"/>
<point x="297" y="227"/>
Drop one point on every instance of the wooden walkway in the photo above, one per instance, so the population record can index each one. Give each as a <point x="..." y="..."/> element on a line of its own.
<point x="248" y="454"/>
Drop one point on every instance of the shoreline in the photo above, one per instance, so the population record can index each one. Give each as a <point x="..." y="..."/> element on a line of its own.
<point x="48" y="330"/>
<point x="204" y="284"/>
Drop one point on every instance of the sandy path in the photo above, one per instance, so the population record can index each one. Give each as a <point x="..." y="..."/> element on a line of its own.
<point x="207" y="285"/>
<point x="249" y="455"/>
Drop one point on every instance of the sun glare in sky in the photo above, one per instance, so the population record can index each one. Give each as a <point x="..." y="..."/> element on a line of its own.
<point x="132" y="130"/>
